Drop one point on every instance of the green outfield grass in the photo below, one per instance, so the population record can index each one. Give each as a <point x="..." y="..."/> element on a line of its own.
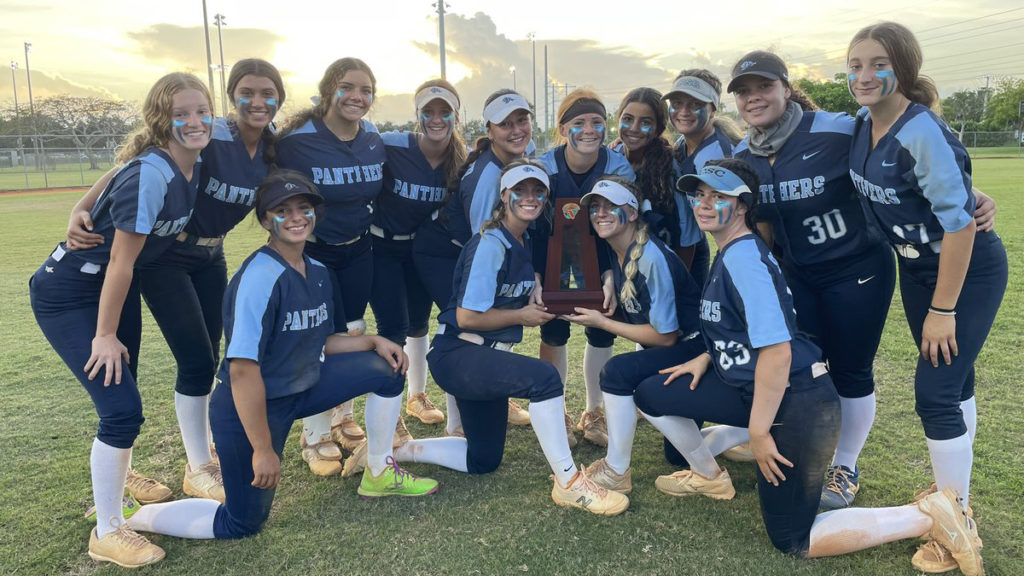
<point x="497" y="524"/>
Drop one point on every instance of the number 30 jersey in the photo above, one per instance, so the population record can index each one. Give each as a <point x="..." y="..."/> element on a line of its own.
<point x="807" y="195"/>
<point x="747" y="305"/>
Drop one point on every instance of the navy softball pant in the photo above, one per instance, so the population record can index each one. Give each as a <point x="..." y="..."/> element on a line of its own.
<point x="623" y="373"/>
<point x="400" y="302"/>
<point x="939" y="391"/>
<point x="184" y="289"/>
<point x="842" y="306"/>
<point x="482" y="379"/>
<point x="351" y="267"/>
<point x="65" y="301"/>
<point x="806" y="430"/>
<point x="342" y="377"/>
<point x="435" y="257"/>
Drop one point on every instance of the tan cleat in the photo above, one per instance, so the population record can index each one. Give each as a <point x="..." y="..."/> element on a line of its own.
<point x="517" y="416"/>
<point x="583" y="493"/>
<point x="205" y="482"/>
<point x="146" y="490"/>
<point x="356" y="462"/>
<point x="124" y="547"/>
<point x="594" y="427"/>
<point x="570" y="431"/>
<point x="925" y="492"/>
<point x="603" y="475"/>
<point x="421" y="407"/>
<point x="739" y="453"/>
<point x="402" y="435"/>
<point x="345" y="431"/>
<point x="324" y="458"/>
<point x="933" y="558"/>
<point x="952" y="529"/>
<point x="688" y="483"/>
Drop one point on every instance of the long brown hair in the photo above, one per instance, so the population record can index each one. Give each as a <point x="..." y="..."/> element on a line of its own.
<point x="906" y="58"/>
<point x="326" y="89"/>
<point x="655" y="170"/>
<point x="455" y="155"/>
<point x="263" y="69"/>
<point x="156" y="114"/>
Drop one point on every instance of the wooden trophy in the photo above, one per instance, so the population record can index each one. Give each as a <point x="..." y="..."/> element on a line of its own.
<point x="572" y="278"/>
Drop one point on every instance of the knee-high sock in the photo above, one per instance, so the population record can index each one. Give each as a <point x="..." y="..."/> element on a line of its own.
<point x="548" y="419"/>
<point x="454" y="417"/>
<point x="194" y="422"/>
<point x="109" y="468"/>
<point x="594" y="360"/>
<point x="686" y="437"/>
<point x="188" y="518"/>
<point x="559" y="358"/>
<point x="345" y="408"/>
<point x="858" y="417"/>
<point x="620" y="412"/>
<point x="416" y="350"/>
<point x="317" y="428"/>
<point x="970" y="409"/>
<point x="851" y="529"/>
<point x="722" y="437"/>
<point x="447" y="452"/>
<point x="381" y="419"/>
<point x="951" y="463"/>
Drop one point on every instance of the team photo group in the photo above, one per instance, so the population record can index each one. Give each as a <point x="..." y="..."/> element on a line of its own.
<point x="760" y="349"/>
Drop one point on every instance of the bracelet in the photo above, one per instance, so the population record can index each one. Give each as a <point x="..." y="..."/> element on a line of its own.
<point x="941" y="311"/>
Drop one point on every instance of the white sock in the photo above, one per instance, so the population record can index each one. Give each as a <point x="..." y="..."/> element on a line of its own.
<point x="454" y="417"/>
<point x="970" y="409"/>
<point x="109" y="468"/>
<point x="447" y="452"/>
<point x="951" y="463"/>
<point x="721" y="437"/>
<point x="416" y="350"/>
<point x="356" y="327"/>
<point x="194" y="421"/>
<point x="637" y="347"/>
<point x="381" y="419"/>
<point x="620" y="412"/>
<point x="686" y="437"/>
<point x="345" y="409"/>
<point x="317" y="428"/>
<point x="560" y="360"/>
<point x="594" y="360"/>
<point x="851" y="529"/>
<point x="858" y="417"/>
<point x="548" y="419"/>
<point x="209" y="430"/>
<point x="188" y="518"/>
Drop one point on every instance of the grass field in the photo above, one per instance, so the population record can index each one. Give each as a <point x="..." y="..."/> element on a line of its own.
<point x="499" y="524"/>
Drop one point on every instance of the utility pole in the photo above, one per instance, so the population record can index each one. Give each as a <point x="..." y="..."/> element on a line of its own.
<point x="547" y="124"/>
<point x="219" y="20"/>
<point x="209" y="55"/>
<point x="37" y="145"/>
<point x="440" y="33"/>
<point x="984" y="106"/>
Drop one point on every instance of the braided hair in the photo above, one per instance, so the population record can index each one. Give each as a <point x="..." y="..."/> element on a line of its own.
<point x="643" y="235"/>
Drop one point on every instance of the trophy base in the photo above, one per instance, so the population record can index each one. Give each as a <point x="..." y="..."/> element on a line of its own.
<point x="564" y="302"/>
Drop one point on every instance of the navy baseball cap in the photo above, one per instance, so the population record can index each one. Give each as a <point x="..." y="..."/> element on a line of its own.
<point x="759" y="63"/>
<point x="279" y="190"/>
<point x="718" y="178"/>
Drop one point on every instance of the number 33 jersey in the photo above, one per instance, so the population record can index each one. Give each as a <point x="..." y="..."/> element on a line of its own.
<point x="747" y="305"/>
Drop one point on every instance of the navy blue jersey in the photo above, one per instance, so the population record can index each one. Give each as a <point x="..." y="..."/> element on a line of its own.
<point x="148" y="195"/>
<point x="473" y="203"/>
<point x="278" y="319"/>
<point x="807" y="195"/>
<point x="715" y="147"/>
<point x="746" y="305"/>
<point x="412" y="189"/>
<point x="664" y="225"/>
<point x="349" y="175"/>
<point x="667" y="298"/>
<point x="917" y="180"/>
<point x="493" y="271"/>
<point x="563" y="185"/>
<point x="227" y="181"/>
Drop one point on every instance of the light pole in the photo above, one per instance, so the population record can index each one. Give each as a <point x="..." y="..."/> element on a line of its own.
<point x="440" y="5"/>
<point x="512" y="69"/>
<point x="28" y="71"/>
<point x="37" y="146"/>
<point x="209" y="57"/>
<point x="219" y="20"/>
<point x="533" y="43"/>
<point x="14" y="82"/>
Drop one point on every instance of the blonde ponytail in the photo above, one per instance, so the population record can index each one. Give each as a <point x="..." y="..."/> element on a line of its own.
<point x="628" y="291"/>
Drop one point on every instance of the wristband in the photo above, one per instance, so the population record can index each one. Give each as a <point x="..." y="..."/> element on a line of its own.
<point x="941" y="311"/>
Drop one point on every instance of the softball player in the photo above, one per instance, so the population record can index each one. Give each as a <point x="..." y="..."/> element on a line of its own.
<point x="440" y="239"/>
<point x="420" y="166"/>
<point x="471" y="357"/>
<point x="184" y="287"/>
<point x="87" y="305"/>
<point x="344" y="156"/>
<point x="767" y="375"/>
<point x="915" y="179"/>
<point x="658" y="302"/>
<point x="282" y="361"/>
<point x="579" y="160"/>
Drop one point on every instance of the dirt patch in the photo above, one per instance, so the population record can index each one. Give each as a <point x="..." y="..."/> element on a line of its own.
<point x="43" y="191"/>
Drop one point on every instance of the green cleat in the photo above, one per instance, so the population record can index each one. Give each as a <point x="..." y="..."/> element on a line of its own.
<point x="394" y="481"/>
<point x="129" y="506"/>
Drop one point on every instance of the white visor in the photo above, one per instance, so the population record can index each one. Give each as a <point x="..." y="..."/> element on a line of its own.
<point x="614" y="192"/>
<point x="503" y="105"/>
<point x="524" y="172"/>
<point x="696" y="88"/>
<point x="423" y="97"/>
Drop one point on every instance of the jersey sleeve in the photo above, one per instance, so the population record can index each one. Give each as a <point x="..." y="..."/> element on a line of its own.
<point x="254" y="310"/>
<point x="762" y="309"/>
<point x="480" y="284"/>
<point x="655" y="269"/>
<point x="138" y="199"/>
<point x="480" y="194"/>
<point x="941" y="171"/>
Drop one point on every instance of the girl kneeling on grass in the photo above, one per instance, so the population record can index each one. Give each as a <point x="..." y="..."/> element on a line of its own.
<point x="283" y="361"/>
<point x="768" y="375"/>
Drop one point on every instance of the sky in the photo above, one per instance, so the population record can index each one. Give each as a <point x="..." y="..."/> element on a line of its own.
<point x="118" y="48"/>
